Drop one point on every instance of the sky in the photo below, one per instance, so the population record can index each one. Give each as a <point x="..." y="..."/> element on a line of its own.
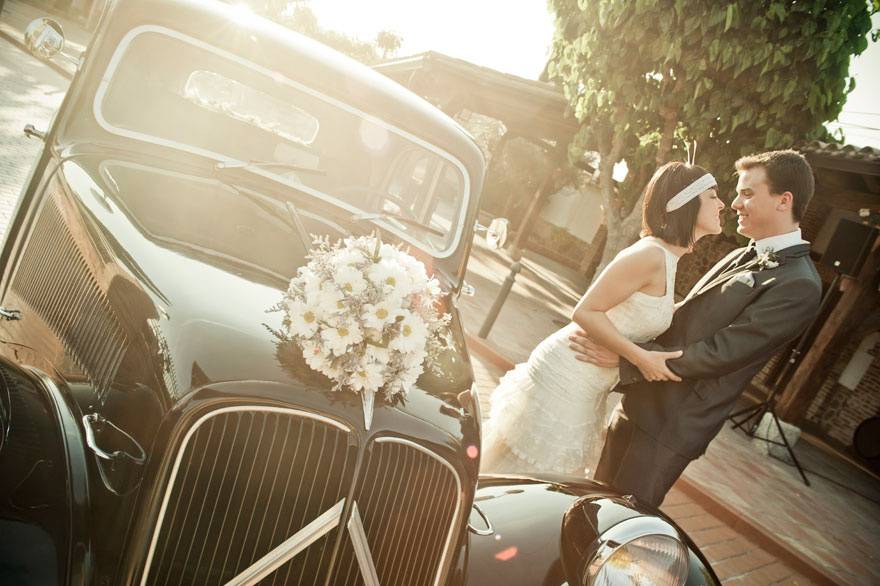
<point x="518" y="42"/>
<point x="512" y="36"/>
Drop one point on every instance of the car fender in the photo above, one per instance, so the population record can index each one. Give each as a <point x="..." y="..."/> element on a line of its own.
<point x="515" y="533"/>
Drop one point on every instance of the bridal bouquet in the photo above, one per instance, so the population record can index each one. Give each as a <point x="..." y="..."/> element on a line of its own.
<point x="365" y="314"/>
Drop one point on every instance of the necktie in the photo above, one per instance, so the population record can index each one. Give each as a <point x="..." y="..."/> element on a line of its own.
<point x="746" y="257"/>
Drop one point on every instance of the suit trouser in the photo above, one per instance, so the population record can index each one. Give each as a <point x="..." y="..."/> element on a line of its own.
<point x="635" y="463"/>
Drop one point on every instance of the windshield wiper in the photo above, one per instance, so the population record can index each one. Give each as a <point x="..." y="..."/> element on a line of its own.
<point x="371" y="216"/>
<point x="257" y="164"/>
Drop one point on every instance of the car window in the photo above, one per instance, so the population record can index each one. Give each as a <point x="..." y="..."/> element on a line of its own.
<point x="169" y="89"/>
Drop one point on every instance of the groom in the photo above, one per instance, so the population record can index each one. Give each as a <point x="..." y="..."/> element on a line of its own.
<point x="749" y="306"/>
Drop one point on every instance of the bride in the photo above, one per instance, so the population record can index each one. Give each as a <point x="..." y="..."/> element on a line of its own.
<point x="549" y="414"/>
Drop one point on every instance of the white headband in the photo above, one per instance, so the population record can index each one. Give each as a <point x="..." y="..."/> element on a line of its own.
<point x="691" y="191"/>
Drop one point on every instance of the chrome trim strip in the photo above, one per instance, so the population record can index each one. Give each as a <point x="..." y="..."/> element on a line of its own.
<point x="107" y="76"/>
<point x="182" y="449"/>
<point x="362" y="547"/>
<point x="445" y="560"/>
<point x="490" y="529"/>
<point x="291" y="547"/>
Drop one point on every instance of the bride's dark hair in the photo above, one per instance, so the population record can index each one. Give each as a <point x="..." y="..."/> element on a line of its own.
<point x="675" y="227"/>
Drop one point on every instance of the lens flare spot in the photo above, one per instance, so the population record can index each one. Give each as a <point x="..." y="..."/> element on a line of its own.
<point x="507" y="554"/>
<point x="373" y="136"/>
<point x="472" y="452"/>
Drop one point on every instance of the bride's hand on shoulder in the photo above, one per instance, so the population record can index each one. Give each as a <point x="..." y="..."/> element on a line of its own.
<point x="652" y="365"/>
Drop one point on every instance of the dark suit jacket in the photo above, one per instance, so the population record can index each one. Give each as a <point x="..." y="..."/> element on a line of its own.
<point x="728" y="328"/>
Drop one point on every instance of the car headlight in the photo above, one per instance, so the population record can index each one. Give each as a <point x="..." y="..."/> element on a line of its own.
<point x="609" y="540"/>
<point x="653" y="559"/>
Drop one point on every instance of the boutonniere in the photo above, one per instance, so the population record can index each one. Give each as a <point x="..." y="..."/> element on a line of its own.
<point x="767" y="260"/>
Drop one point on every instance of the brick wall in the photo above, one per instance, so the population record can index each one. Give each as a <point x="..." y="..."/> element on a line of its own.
<point x="837" y="411"/>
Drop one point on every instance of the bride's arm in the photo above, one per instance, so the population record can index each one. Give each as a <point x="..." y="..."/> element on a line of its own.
<point x="631" y="271"/>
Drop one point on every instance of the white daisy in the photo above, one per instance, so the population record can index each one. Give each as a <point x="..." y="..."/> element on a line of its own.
<point x="415" y="359"/>
<point x="412" y="335"/>
<point x="329" y="301"/>
<point x="339" y="339"/>
<point x="378" y="354"/>
<point x="315" y="355"/>
<point x="415" y="269"/>
<point x="381" y="314"/>
<point x="351" y="257"/>
<point x="391" y="277"/>
<point x="303" y="318"/>
<point x="308" y="281"/>
<point x="388" y="252"/>
<point x="349" y="279"/>
<point x="370" y="377"/>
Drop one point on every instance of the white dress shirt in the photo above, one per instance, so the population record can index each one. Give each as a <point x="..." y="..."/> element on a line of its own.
<point x="779" y="242"/>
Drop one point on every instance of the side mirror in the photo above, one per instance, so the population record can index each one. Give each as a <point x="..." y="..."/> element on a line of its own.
<point x="44" y="38"/>
<point x="496" y="233"/>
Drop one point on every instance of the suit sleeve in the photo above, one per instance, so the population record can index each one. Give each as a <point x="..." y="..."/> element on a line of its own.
<point x="767" y="323"/>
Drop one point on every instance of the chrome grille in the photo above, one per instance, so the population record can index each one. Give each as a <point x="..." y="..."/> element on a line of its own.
<point x="245" y="479"/>
<point x="55" y="280"/>
<point x="409" y="502"/>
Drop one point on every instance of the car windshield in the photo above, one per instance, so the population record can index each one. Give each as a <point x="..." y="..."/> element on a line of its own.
<point x="170" y="89"/>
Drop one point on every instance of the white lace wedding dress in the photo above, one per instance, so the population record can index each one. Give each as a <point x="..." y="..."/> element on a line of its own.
<point x="549" y="414"/>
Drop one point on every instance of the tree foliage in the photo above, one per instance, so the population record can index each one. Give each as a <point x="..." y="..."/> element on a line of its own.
<point x="299" y="16"/>
<point x="644" y="77"/>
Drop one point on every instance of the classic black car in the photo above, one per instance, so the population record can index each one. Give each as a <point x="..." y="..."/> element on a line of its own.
<point x="153" y="430"/>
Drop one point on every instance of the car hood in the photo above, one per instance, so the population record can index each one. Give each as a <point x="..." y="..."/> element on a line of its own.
<point x="193" y="270"/>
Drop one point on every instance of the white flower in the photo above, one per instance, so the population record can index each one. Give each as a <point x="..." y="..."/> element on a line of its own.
<point x="768" y="260"/>
<point x="338" y="339"/>
<point x="413" y="360"/>
<point x="308" y="281"/>
<point x="350" y="280"/>
<point x="315" y="355"/>
<point x="377" y="354"/>
<point x="381" y="314"/>
<point x="369" y="377"/>
<point x="434" y="288"/>
<point x="415" y="270"/>
<point x="349" y="257"/>
<point x="391" y="277"/>
<point x="303" y="318"/>
<point x="366" y="314"/>
<point x="329" y="301"/>
<point x="388" y="252"/>
<point x="412" y="336"/>
<point x="407" y="378"/>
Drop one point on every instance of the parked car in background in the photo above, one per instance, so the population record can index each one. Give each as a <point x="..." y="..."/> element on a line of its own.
<point x="153" y="430"/>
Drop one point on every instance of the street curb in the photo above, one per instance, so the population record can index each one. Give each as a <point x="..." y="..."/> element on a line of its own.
<point x="487" y="351"/>
<point x="723" y="511"/>
<point x="755" y="533"/>
<point x="14" y="39"/>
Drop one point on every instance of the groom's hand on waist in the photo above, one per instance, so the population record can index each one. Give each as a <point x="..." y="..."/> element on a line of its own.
<point x="586" y="350"/>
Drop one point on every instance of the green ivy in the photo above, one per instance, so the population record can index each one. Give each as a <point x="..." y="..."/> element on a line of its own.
<point x="739" y="77"/>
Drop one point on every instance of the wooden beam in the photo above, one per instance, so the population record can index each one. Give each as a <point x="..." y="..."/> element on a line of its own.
<point x="807" y="380"/>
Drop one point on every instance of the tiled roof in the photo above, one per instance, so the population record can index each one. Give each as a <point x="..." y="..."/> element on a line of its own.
<point x="845" y="157"/>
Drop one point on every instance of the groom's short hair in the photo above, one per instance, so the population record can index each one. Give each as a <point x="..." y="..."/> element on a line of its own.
<point x="786" y="170"/>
